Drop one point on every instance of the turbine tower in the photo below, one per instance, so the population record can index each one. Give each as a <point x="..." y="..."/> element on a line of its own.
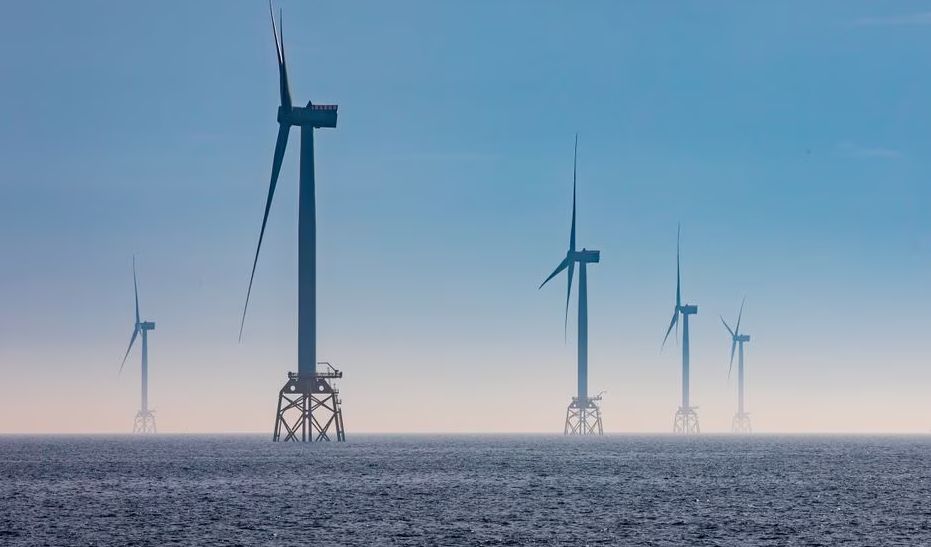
<point x="583" y="416"/>
<point x="309" y="408"/>
<point x="145" y="418"/>
<point x="686" y="421"/>
<point x="741" y="423"/>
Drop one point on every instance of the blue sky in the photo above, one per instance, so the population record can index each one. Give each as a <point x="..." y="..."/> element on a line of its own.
<point x="788" y="138"/>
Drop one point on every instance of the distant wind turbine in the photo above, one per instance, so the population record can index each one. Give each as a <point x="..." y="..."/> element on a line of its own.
<point x="741" y="422"/>
<point x="145" y="419"/>
<point x="583" y="416"/>
<point x="686" y="421"/>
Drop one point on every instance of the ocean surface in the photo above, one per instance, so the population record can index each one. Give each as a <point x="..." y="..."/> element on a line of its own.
<point x="465" y="490"/>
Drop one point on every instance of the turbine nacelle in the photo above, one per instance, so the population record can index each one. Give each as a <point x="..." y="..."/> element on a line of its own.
<point x="147" y="325"/>
<point x="742" y="338"/>
<point x="584" y="256"/>
<point x="312" y="115"/>
<point x="688" y="309"/>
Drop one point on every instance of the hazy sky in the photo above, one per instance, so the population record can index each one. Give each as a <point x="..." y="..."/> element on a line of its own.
<point x="789" y="138"/>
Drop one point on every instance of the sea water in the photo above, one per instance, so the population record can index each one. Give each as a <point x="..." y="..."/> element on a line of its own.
<point x="195" y="490"/>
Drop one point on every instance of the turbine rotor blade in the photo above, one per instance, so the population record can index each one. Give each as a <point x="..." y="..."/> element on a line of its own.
<point x="568" y="293"/>
<point x="673" y="323"/>
<point x="574" y="165"/>
<point x="678" y="271"/>
<point x="131" y="340"/>
<point x="282" y="65"/>
<point x="280" y="146"/>
<point x="136" y="289"/>
<point x="677" y="333"/>
<point x="731" y="366"/>
<point x="728" y="328"/>
<point x="739" y="315"/>
<point x="562" y="266"/>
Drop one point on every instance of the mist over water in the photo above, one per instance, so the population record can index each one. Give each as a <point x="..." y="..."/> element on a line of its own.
<point x="465" y="490"/>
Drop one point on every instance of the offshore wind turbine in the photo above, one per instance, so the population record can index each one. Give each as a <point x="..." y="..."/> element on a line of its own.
<point x="583" y="416"/>
<point x="308" y="405"/>
<point x="686" y="421"/>
<point x="741" y="422"/>
<point x="145" y="419"/>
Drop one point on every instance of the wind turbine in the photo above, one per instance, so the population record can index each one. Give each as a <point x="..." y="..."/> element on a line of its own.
<point x="686" y="421"/>
<point x="145" y="419"/>
<point x="583" y="416"/>
<point x="741" y="423"/>
<point x="308" y="404"/>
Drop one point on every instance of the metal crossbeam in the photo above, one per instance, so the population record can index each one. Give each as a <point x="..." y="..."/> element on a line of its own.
<point x="741" y="424"/>
<point x="309" y="409"/>
<point x="686" y="422"/>
<point x="583" y="418"/>
<point x="144" y="422"/>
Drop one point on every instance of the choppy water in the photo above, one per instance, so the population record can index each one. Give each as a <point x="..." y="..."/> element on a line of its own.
<point x="469" y="490"/>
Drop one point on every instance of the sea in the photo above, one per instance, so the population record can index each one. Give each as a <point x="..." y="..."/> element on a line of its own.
<point x="471" y="490"/>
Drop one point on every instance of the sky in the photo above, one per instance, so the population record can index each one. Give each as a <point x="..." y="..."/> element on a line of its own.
<point x="789" y="139"/>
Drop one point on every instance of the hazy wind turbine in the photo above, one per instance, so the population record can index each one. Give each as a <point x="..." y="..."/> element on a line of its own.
<point x="686" y="421"/>
<point x="145" y="419"/>
<point x="741" y="423"/>
<point x="308" y="404"/>
<point x="583" y="416"/>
